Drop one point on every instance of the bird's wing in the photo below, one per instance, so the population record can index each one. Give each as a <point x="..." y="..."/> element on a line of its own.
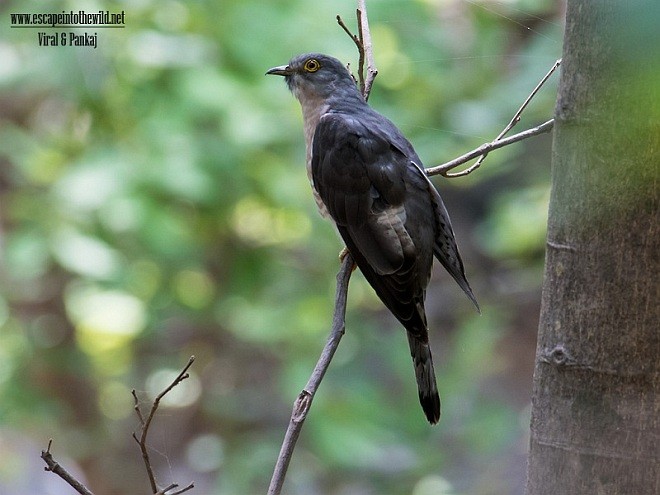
<point x="382" y="209"/>
<point x="445" y="248"/>
<point x="372" y="182"/>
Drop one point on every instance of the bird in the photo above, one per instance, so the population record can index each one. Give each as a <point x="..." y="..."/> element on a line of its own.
<point x="368" y="179"/>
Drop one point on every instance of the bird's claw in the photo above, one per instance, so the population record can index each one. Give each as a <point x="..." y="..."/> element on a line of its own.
<point x="342" y="255"/>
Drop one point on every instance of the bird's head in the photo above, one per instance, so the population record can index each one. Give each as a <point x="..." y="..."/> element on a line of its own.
<point x="315" y="76"/>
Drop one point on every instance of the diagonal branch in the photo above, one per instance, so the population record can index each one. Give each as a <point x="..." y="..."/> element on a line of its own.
<point x="54" y="467"/>
<point x="498" y="142"/>
<point x="303" y="402"/>
<point x="358" y="43"/>
<point x="516" y="117"/>
<point x="172" y="487"/>
<point x="486" y="148"/>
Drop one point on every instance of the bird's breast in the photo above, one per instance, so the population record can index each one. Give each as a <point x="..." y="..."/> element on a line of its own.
<point x="312" y="113"/>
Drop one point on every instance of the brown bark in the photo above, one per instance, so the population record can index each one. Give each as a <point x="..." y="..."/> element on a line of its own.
<point x="595" y="413"/>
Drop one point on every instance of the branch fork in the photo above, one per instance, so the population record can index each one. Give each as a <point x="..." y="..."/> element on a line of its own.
<point x="144" y="427"/>
<point x="54" y="467"/>
<point x="363" y="43"/>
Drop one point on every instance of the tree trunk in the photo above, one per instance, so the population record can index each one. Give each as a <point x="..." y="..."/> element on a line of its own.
<point x="595" y="411"/>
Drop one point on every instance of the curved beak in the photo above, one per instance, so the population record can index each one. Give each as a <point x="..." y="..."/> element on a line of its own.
<point x="282" y="70"/>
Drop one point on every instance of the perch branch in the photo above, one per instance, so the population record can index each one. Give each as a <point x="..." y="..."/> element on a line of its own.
<point x="54" y="467"/>
<point x="144" y="431"/>
<point x="303" y="402"/>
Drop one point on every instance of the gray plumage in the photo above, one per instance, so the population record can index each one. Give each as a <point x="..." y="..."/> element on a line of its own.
<point x="367" y="177"/>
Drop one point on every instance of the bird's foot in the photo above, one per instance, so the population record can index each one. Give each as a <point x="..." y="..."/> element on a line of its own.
<point x="342" y="255"/>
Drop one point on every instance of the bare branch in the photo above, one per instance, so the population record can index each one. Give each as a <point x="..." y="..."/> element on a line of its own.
<point x="54" y="467"/>
<point x="166" y="489"/>
<point x="303" y="402"/>
<point x="516" y="117"/>
<point x="183" y="490"/>
<point x="145" y="424"/>
<point x="355" y="39"/>
<point x="172" y="487"/>
<point x="365" y="51"/>
<point x="361" y="54"/>
<point x="358" y="43"/>
<point x="485" y="149"/>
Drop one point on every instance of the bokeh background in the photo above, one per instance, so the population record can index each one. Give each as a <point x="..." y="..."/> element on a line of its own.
<point x="154" y="205"/>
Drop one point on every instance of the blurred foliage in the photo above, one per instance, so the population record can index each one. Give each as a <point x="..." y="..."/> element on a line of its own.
<point x="154" y="205"/>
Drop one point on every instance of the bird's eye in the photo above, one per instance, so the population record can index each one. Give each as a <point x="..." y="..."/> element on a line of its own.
<point x="312" y="65"/>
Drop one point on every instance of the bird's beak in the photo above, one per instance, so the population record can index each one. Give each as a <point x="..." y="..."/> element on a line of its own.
<point x="282" y="70"/>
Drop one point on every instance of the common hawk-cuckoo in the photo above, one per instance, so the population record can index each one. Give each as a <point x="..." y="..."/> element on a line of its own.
<point x="367" y="177"/>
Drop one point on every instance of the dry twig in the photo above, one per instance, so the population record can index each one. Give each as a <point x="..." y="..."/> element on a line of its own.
<point x="144" y="427"/>
<point x="498" y="142"/>
<point x="485" y="148"/>
<point x="54" y="467"/>
<point x="303" y="402"/>
<point x="167" y="489"/>
<point x="365" y="52"/>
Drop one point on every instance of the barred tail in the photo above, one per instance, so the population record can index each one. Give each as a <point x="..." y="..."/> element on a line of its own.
<point x="428" y="390"/>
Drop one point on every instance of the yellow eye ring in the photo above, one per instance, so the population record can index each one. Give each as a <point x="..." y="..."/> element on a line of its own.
<point x="312" y="65"/>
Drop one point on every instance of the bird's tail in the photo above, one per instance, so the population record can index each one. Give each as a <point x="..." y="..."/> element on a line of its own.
<point x="428" y="390"/>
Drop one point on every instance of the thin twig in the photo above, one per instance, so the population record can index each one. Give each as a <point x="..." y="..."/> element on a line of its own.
<point x="355" y="39"/>
<point x="54" y="467"/>
<point x="145" y="424"/>
<point x="303" y="402"/>
<point x="367" y="51"/>
<point x="485" y="149"/>
<point x="183" y="490"/>
<point x="360" y="48"/>
<point x="365" y="93"/>
<point x="166" y="489"/>
<point x="172" y="487"/>
<point x="516" y="117"/>
<point x="512" y="123"/>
